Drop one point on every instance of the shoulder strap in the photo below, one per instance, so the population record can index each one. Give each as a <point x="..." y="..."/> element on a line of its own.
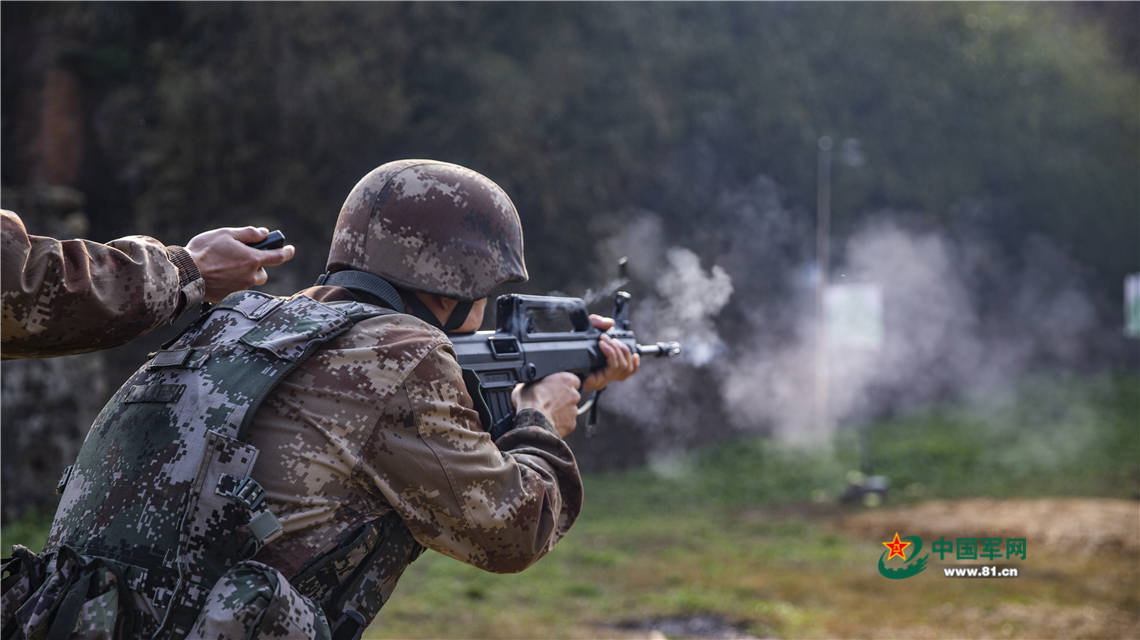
<point x="182" y="504"/>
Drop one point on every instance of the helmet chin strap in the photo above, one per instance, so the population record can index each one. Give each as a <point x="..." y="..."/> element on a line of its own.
<point x="375" y="286"/>
<point x="454" y="321"/>
<point x="458" y="315"/>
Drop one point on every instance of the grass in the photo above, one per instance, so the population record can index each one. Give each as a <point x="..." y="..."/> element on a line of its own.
<point x="30" y="531"/>
<point x="739" y="538"/>
<point x="739" y="535"/>
<point x="611" y="574"/>
<point x="754" y="573"/>
<point x="1078" y="437"/>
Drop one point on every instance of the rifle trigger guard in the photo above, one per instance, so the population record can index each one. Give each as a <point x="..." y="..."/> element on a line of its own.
<point x="591" y="406"/>
<point x="587" y="405"/>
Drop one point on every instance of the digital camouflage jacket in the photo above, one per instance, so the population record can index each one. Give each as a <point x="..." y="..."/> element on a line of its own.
<point x="379" y="420"/>
<point x="74" y="296"/>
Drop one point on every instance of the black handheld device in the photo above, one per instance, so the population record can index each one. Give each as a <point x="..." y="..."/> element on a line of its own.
<point x="275" y="240"/>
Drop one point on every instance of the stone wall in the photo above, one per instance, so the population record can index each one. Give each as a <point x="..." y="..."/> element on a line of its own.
<point x="48" y="405"/>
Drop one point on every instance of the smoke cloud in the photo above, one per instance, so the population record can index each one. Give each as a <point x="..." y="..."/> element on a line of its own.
<point x="964" y="317"/>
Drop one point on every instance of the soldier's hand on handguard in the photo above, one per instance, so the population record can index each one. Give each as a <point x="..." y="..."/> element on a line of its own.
<point x="620" y="362"/>
<point x="556" y="396"/>
<point x="227" y="264"/>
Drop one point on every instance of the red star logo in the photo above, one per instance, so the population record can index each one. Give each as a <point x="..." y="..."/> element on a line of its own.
<point x="897" y="547"/>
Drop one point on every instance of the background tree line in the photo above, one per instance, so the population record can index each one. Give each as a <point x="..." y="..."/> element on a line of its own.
<point x="1006" y="120"/>
<point x="202" y="113"/>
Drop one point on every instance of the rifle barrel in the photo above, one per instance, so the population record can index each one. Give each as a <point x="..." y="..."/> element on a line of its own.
<point x="660" y="350"/>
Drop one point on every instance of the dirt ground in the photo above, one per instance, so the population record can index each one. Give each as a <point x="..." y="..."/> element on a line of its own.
<point x="1085" y="558"/>
<point x="1069" y="525"/>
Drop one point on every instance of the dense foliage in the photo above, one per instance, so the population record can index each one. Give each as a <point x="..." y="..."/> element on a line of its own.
<point x="208" y="113"/>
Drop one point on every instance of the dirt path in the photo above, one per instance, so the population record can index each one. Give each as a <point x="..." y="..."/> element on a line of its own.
<point x="1072" y="525"/>
<point x="1082" y="585"/>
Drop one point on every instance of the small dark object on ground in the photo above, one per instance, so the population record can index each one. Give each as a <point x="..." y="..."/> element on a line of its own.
<point x="699" y="626"/>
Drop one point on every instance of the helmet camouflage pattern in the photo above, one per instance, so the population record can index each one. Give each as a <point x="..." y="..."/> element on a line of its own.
<point x="430" y="226"/>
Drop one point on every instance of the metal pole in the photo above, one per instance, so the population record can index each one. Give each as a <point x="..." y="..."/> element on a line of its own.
<point x="822" y="257"/>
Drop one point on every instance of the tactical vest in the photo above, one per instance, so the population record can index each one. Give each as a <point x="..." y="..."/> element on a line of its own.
<point x="162" y="485"/>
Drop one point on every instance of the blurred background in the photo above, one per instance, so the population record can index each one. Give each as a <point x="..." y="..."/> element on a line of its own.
<point x="892" y="237"/>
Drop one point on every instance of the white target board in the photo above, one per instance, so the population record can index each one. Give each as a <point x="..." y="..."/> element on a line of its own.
<point x="854" y="315"/>
<point x="1132" y="305"/>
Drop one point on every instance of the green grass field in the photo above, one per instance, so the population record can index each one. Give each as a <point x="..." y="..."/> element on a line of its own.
<point x="739" y="541"/>
<point x="757" y="574"/>
<point x="742" y="540"/>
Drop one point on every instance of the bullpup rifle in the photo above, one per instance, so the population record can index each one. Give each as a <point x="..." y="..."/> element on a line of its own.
<point x="536" y="336"/>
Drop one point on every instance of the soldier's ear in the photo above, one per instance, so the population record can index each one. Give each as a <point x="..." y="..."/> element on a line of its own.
<point x="448" y="304"/>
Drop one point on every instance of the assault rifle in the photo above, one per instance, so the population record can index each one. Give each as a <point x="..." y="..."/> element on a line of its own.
<point x="531" y="340"/>
<point x="536" y="336"/>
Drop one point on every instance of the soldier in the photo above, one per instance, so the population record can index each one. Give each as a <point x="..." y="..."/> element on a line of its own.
<point x="75" y="296"/>
<point x="295" y="516"/>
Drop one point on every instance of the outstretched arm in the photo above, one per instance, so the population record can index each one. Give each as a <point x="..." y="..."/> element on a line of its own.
<point x="62" y="297"/>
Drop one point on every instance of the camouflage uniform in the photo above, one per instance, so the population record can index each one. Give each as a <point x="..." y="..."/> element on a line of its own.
<point x="368" y="449"/>
<point x="75" y="296"/>
<point x="380" y="421"/>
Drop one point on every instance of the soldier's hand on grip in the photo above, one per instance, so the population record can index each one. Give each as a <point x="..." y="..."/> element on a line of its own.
<point x="556" y="396"/>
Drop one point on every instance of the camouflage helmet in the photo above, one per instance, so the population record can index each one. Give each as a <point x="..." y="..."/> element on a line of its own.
<point x="430" y="226"/>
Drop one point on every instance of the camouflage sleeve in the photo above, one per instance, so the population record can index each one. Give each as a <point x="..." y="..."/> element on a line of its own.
<point x="499" y="508"/>
<point x="74" y="296"/>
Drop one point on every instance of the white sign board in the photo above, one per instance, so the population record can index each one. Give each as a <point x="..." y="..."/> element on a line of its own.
<point x="854" y="315"/>
<point x="1132" y="305"/>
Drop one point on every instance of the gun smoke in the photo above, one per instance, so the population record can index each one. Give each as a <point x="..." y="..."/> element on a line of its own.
<point x="965" y="318"/>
